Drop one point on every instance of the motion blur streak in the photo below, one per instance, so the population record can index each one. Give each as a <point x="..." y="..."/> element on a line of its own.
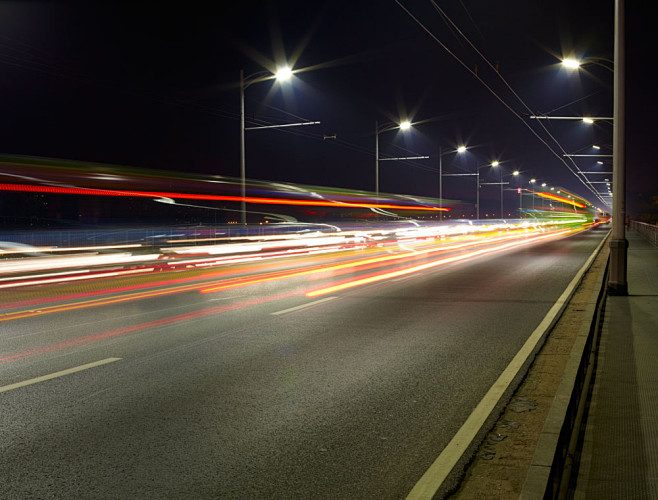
<point x="69" y="249"/>
<point x="145" y="326"/>
<point x="349" y="265"/>
<point x="81" y="276"/>
<point x="560" y="198"/>
<point x="208" y="197"/>
<point x="447" y="260"/>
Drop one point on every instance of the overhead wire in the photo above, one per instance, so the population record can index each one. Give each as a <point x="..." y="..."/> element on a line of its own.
<point x="493" y="92"/>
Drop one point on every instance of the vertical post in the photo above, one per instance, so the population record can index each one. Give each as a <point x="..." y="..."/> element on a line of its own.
<point x="477" y="193"/>
<point x="377" y="159"/>
<point x="243" y="180"/>
<point x="520" y="200"/>
<point x="440" y="183"/>
<point x="502" y="216"/>
<point x="617" y="284"/>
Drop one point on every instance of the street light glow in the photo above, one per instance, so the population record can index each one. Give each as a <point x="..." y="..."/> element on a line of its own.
<point x="405" y="125"/>
<point x="516" y="172"/>
<point x="571" y="63"/>
<point x="588" y="120"/>
<point x="283" y="73"/>
<point x="495" y="163"/>
<point x="461" y="149"/>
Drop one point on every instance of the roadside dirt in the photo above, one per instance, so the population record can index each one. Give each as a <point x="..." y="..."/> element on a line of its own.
<point x="500" y="466"/>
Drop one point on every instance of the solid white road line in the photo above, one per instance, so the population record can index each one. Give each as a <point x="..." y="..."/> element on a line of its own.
<point x="308" y="304"/>
<point x="434" y="477"/>
<point x="62" y="373"/>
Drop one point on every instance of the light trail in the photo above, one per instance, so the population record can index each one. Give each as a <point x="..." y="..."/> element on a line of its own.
<point x="211" y="197"/>
<point x="314" y="271"/>
<point x="167" y="321"/>
<point x="429" y="265"/>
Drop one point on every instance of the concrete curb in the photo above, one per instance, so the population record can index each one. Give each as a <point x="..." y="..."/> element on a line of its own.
<point x="549" y="472"/>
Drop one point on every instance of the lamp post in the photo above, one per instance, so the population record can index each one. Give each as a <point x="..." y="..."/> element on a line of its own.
<point x="515" y="173"/>
<point x="283" y="74"/>
<point x="460" y="150"/>
<point x="477" y="191"/>
<point x="386" y="127"/>
<point x="617" y="281"/>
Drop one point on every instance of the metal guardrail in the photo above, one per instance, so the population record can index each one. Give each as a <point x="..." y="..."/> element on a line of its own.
<point x="649" y="232"/>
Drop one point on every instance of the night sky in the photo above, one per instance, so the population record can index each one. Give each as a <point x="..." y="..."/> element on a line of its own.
<point x="156" y="86"/>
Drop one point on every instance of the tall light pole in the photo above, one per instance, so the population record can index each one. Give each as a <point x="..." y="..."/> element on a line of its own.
<point x="405" y="125"/>
<point x="617" y="282"/>
<point x="477" y="191"/>
<point x="460" y="150"/>
<point x="515" y="173"/>
<point x="283" y="74"/>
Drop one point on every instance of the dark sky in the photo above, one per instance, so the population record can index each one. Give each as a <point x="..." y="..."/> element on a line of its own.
<point x="155" y="85"/>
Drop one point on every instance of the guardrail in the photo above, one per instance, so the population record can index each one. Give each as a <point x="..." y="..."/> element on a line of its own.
<point x="648" y="231"/>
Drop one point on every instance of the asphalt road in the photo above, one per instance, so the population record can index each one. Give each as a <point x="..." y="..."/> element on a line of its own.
<point x="256" y="390"/>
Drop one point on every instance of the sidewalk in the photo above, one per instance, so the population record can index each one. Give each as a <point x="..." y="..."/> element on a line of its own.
<point x="619" y="457"/>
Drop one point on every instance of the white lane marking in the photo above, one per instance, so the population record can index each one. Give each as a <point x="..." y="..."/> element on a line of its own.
<point x="62" y="373"/>
<point x="308" y="304"/>
<point x="431" y="481"/>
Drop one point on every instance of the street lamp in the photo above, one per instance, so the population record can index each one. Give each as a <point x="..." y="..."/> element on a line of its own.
<point x="460" y="150"/>
<point x="477" y="191"/>
<point x="283" y="74"/>
<point x="515" y="173"/>
<point x="571" y="63"/>
<point x="386" y="127"/>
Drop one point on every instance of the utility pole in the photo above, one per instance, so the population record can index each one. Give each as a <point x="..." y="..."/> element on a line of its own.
<point x="617" y="282"/>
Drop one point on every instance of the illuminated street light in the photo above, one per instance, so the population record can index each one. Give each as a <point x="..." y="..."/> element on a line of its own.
<point x="386" y="127"/>
<point x="460" y="150"/>
<point x="587" y="120"/>
<point x="494" y="163"/>
<point x="571" y="63"/>
<point x="284" y="73"/>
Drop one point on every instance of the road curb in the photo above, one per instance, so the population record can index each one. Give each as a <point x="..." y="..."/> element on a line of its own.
<point x="550" y="470"/>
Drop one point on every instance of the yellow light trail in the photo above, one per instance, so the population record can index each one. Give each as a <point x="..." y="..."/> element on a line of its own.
<point x="410" y="270"/>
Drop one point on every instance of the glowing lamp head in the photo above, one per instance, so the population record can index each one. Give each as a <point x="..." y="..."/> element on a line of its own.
<point x="571" y="63"/>
<point x="589" y="121"/>
<point x="405" y="125"/>
<point x="532" y="181"/>
<point x="461" y="149"/>
<point x="516" y="172"/>
<point x="283" y="74"/>
<point x="495" y="163"/>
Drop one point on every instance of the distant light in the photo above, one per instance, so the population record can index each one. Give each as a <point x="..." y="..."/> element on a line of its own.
<point x="495" y="163"/>
<point x="599" y="162"/>
<point x="571" y="63"/>
<point x="543" y="184"/>
<point x="405" y="125"/>
<point x="588" y="120"/>
<point x="461" y="149"/>
<point x="532" y="181"/>
<point x="596" y="147"/>
<point x="283" y="73"/>
<point x="516" y="172"/>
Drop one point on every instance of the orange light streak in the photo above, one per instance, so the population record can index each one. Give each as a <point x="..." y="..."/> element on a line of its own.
<point x="560" y="198"/>
<point x="429" y="265"/>
<point x="188" y="196"/>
